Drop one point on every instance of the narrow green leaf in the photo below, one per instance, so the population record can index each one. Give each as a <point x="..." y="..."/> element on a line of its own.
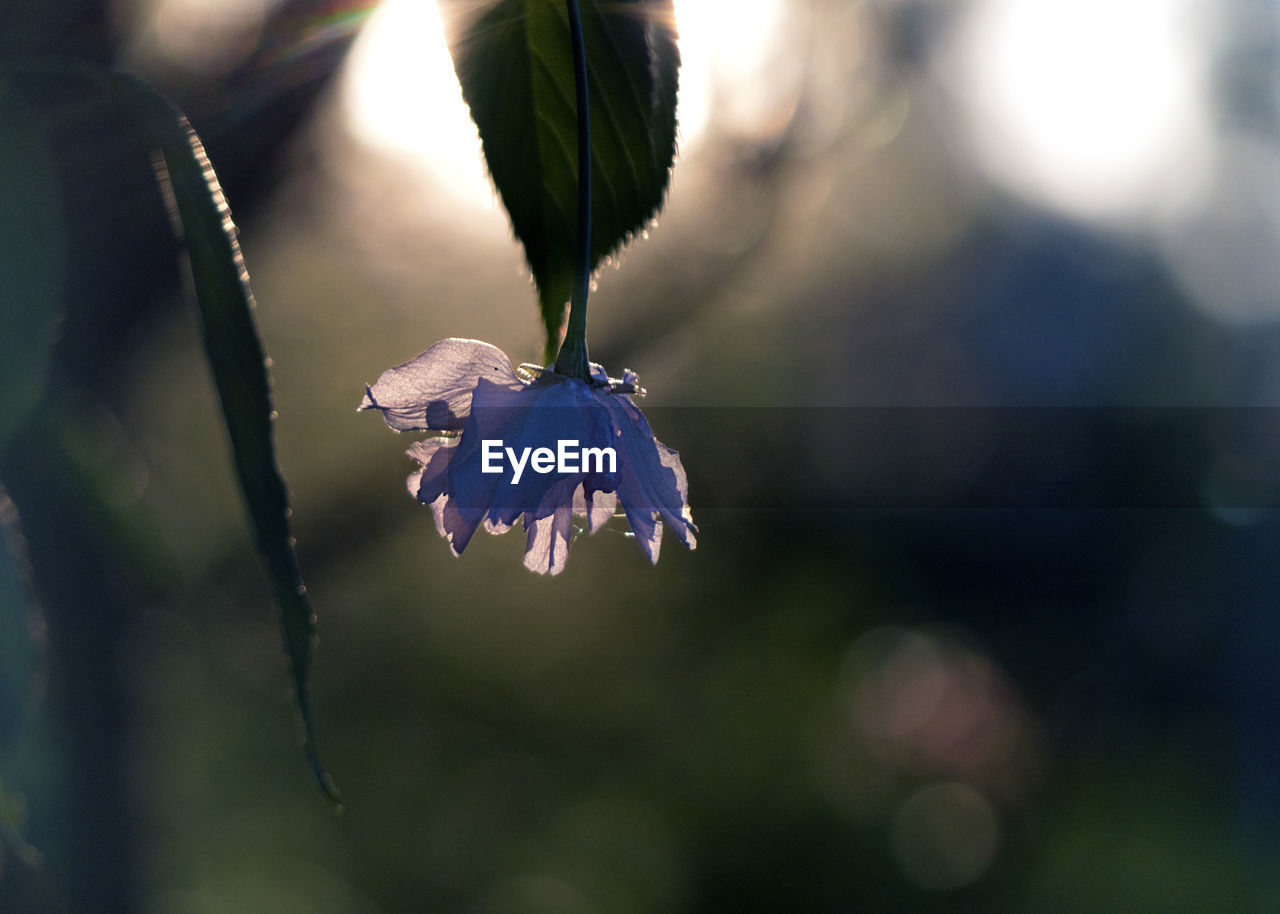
<point x="239" y="365"/>
<point x="514" y="61"/>
<point x="32" y="260"/>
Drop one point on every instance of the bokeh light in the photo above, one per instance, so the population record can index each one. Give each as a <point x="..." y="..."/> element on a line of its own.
<point x="1223" y="250"/>
<point x="400" y="96"/>
<point x="1095" y="107"/>
<point x="945" y="836"/>
<point x="924" y="704"/>
<point x="200" y="36"/>
<point x="737" y="70"/>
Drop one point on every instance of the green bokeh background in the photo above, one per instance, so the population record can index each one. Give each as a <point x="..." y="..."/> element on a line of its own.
<point x="1064" y="708"/>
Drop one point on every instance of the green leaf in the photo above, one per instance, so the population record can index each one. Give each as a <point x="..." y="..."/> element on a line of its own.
<point x="514" y="61"/>
<point x="239" y="366"/>
<point x="32" y="260"/>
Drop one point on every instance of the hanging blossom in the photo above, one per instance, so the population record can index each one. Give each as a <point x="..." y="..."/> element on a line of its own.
<point x="484" y="470"/>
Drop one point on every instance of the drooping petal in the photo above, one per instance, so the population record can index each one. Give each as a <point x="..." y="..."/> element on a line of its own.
<point x="434" y="390"/>
<point x="455" y="528"/>
<point x="597" y="507"/>
<point x="654" y="484"/>
<point x="557" y="411"/>
<point x="498" y="413"/>
<point x="547" y="546"/>
<point x="545" y="410"/>
<point x="603" y="506"/>
<point x="671" y="460"/>
<point x="429" y="484"/>
<point x="496" y="528"/>
<point x="434" y="454"/>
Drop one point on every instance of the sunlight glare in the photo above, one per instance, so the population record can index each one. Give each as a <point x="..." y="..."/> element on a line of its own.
<point x="205" y="36"/>
<point x="1093" y="106"/>
<point x="732" y="76"/>
<point x="401" y="97"/>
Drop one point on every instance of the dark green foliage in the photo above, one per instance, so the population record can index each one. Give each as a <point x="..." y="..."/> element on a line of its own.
<point x="514" y="62"/>
<point x="238" y="363"/>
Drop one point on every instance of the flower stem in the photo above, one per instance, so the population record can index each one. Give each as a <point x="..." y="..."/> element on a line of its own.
<point x="572" y="360"/>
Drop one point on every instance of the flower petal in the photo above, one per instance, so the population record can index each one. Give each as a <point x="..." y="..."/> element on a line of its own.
<point x="596" y="507"/>
<point x="671" y="460"/>
<point x="654" y="482"/>
<point x="430" y="485"/>
<point x="547" y="547"/>
<point x="469" y="386"/>
<point x="552" y="411"/>
<point x="450" y="524"/>
<point x="646" y="529"/>
<point x="433" y="391"/>
<point x="434" y="454"/>
<point x="496" y="528"/>
<point x="498" y="413"/>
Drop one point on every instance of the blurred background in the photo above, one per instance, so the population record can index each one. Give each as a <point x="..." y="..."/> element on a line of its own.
<point x="920" y="661"/>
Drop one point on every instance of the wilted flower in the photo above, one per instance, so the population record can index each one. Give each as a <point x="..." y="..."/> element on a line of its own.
<point x="541" y="447"/>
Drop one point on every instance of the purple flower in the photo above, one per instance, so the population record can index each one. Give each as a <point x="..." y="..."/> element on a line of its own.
<point x="542" y="447"/>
